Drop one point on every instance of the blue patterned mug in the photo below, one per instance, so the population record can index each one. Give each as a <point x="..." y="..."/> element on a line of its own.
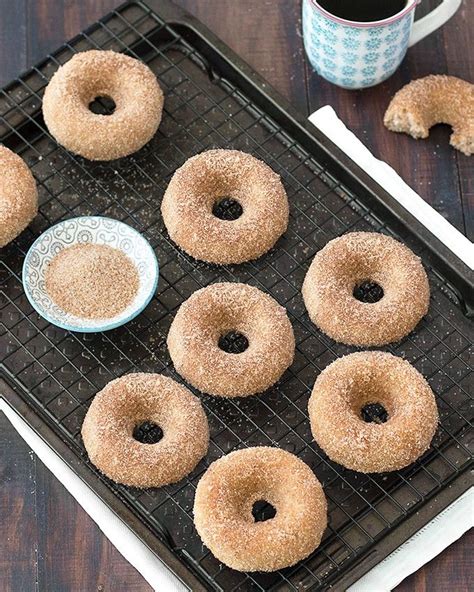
<point x="358" y="54"/>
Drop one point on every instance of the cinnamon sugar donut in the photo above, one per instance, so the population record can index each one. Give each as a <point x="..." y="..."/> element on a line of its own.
<point x="435" y="99"/>
<point x="128" y="82"/>
<point x="231" y="340"/>
<point x="349" y="384"/>
<point x="135" y="406"/>
<point x="348" y="271"/>
<point x="227" y="492"/>
<point x="18" y="196"/>
<point x="209" y="180"/>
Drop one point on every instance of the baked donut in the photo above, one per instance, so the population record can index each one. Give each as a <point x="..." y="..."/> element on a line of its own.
<point x="18" y="196"/>
<point x="211" y="180"/>
<point x="91" y="74"/>
<point x="348" y="276"/>
<point x="119" y="425"/>
<point x="435" y="99"/>
<point x="225" y="497"/>
<point x="231" y="340"/>
<point x="351" y="383"/>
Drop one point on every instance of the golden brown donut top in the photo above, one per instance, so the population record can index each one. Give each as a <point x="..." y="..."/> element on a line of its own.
<point x="346" y="386"/>
<point x="227" y="492"/>
<point x="347" y="262"/>
<point x="18" y="196"/>
<point x="210" y="313"/>
<point x="91" y="74"/>
<point x="128" y="401"/>
<point x="203" y="181"/>
<point x="435" y="99"/>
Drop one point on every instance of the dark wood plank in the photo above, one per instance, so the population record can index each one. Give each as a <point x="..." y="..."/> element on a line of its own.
<point x="18" y="540"/>
<point x="457" y="39"/>
<point x="429" y="166"/>
<point x="243" y="26"/>
<point x="51" y="22"/>
<point x="452" y="571"/>
<point x="466" y="173"/>
<point x="265" y="34"/>
<point x="74" y="555"/>
<point x="48" y="542"/>
<point x="13" y="33"/>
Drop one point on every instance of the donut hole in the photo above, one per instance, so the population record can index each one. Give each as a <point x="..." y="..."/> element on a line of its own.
<point x="262" y="511"/>
<point x="233" y="342"/>
<point x="102" y="105"/>
<point x="148" y="432"/>
<point x="374" y="413"/>
<point x="227" y="208"/>
<point x="368" y="292"/>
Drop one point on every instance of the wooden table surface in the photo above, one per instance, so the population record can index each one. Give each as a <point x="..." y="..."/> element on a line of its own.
<point x="48" y="543"/>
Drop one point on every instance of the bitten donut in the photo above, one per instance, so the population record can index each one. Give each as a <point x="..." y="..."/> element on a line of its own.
<point x="225" y="497"/>
<point x="18" y="196"/>
<point x="148" y="402"/>
<point x="208" y="329"/>
<point x="350" y="273"/>
<point x="350" y="383"/>
<point x="435" y="99"/>
<point x="218" y="176"/>
<point x="128" y="82"/>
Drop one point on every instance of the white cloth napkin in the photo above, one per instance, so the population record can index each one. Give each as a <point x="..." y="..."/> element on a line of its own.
<point x="453" y="522"/>
<point x="329" y="123"/>
<point x="128" y="544"/>
<point x="448" y="526"/>
<point x="421" y="548"/>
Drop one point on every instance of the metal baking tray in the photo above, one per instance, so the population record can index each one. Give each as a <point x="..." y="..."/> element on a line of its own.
<point x="213" y="99"/>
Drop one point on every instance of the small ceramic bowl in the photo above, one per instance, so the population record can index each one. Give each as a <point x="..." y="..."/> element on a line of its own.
<point x="94" y="230"/>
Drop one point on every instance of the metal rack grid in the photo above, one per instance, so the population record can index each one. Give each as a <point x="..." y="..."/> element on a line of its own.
<point x="60" y="372"/>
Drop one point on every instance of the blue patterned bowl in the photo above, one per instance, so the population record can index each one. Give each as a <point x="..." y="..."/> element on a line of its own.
<point x="94" y="230"/>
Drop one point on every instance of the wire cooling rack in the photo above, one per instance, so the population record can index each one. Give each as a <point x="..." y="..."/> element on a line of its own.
<point x="58" y="373"/>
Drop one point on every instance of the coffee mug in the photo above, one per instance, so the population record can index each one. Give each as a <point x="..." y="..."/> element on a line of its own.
<point x="364" y="51"/>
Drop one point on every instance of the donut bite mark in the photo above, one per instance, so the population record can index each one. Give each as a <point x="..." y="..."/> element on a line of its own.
<point x="231" y="340"/>
<point x="435" y="99"/>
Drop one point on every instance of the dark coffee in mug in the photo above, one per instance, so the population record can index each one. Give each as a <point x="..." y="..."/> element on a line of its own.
<point x="364" y="11"/>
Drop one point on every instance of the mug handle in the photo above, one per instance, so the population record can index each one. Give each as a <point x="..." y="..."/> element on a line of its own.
<point x="432" y="21"/>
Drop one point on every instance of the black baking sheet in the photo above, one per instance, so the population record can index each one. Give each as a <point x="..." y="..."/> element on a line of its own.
<point x="213" y="100"/>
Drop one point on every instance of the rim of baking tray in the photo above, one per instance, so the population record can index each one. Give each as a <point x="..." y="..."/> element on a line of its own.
<point x="99" y="328"/>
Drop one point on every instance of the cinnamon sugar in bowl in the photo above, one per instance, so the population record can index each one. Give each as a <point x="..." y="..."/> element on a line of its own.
<point x="90" y="274"/>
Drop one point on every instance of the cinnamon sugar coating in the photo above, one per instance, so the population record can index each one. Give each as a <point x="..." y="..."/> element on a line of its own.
<point x="223" y="509"/>
<point x="435" y="99"/>
<point x="18" y="196"/>
<point x="210" y="313"/>
<point x="92" y="281"/>
<point x="132" y="86"/>
<point x="129" y="401"/>
<point x="203" y="181"/>
<point x="356" y="380"/>
<point x="355" y="258"/>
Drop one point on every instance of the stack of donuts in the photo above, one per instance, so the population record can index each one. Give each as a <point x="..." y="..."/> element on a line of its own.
<point x="234" y="340"/>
